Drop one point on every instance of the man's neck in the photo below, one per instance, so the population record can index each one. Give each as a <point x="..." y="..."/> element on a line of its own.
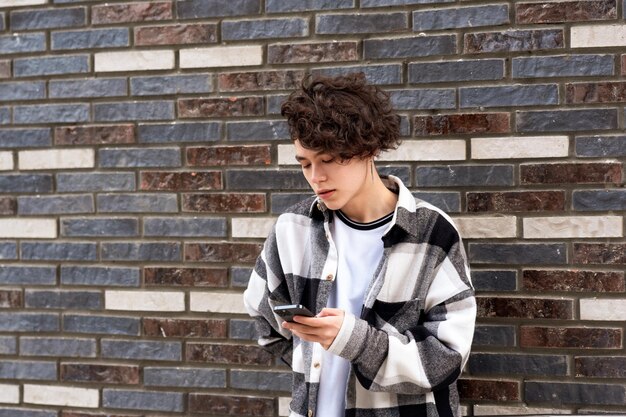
<point x="374" y="202"/>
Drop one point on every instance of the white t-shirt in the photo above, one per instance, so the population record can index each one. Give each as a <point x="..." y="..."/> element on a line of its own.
<point x="360" y="250"/>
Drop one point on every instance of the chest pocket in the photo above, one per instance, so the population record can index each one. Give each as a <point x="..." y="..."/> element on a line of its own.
<point x="403" y="315"/>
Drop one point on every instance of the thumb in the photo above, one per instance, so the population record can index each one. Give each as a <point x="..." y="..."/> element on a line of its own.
<point x="327" y="312"/>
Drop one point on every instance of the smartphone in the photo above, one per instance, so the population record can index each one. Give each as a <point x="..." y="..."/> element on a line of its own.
<point x="289" y="310"/>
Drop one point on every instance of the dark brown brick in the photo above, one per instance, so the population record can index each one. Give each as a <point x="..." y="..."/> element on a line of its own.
<point x="231" y="405"/>
<point x="110" y="374"/>
<point x="591" y="173"/>
<point x="94" y="135"/>
<point x="229" y="155"/>
<point x="8" y="206"/>
<point x="186" y="277"/>
<point x="220" y="107"/>
<point x="176" y="34"/>
<point x="514" y="40"/>
<point x="478" y="389"/>
<point x="573" y="281"/>
<point x="565" y="11"/>
<point x="5" y="69"/>
<point x="524" y="308"/>
<point x="570" y="337"/>
<point x="131" y="12"/>
<point x="163" y="327"/>
<point x="623" y="65"/>
<point x="262" y="80"/>
<point x="181" y="181"/>
<point x="11" y="299"/>
<point x="224" y="203"/>
<point x="516" y="201"/>
<point x="605" y="92"/>
<point x="222" y="252"/>
<point x="452" y="124"/>
<point x="303" y="53"/>
<point x="602" y="367"/>
<point x="79" y="414"/>
<point x="600" y="253"/>
<point x="228" y="354"/>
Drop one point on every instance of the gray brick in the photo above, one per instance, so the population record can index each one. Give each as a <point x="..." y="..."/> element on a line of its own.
<point x="261" y="380"/>
<point x="184" y="227"/>
<point x="511" y="364"/>
<point x="243" y="330"/>
<point x="25" y="412"/>
<point x="145" y="251"/>
<point x="509" y="95"/>
<point x="90" y="39"/>
<point x="67" y="64"/>
<point x="23" y="42"/>
<point x="491" y="335"/>
<point x="375" y="74"/>
<point x="280" y="202"/>
<point x="8" y="250"/>
<point x="137" y="203"/>
<point x="134" y="111"/>
<point x="275" y="101"/>
<point x="88" y="182"/>
<point x="448" y="202"/>
<point x="180" y="132"/>
<point x="257" y="131"/>
<point x="264" y="29"/>
<point x="563" y="66"/>
<point x="385" y="3"/>
<point x="575" y="393"/>
<point x="51" y="113"/>
<point x="266" y="180"/>
<point x="58" y="251"/>
<point x="143" y="400"/>
<point x="100" y="227"/>
<point x="423" y="99"/>
<point x="5" y="115"/>
<point x="94" y="87"/>
<point x="63" y="299"/>
<point x="173" y="84"/>
<point x="2" y="25"/>
<point x="599" y="200"/>
<point x="143" y="350"/>
<point x="27" y="275"/>
<point x="8" y="345"/>
<point x="566" y="120"/>
<point x="25" y="138"/>
<point x="239" y="276"/>
<point x="55" y="204"/>
<point x="461" y="17"/>
<point x="48" y="19"/>
<point x="26" y="183"/>
<point x="403" y="172"/>
<point x="494" y="280"/>
<point x="28" y="322"/>
<point x="101" y="276"/>
<point x="57" y="347"/>
<point x="281" y="6"/>
<point x="184" y="377"/>
<point x="467" y="70"/>
<point x="518" y="253"/>
<point x="464" y="175"/>
<point x="192" y="9"/>
<point x="101" y="325"/>
<point x="409" y="47"/>
<point x="596" y="146"/>
<point x="360" y="23"/>
<point x="139" y="157"/>
<point x="24" y="370"/>
<point x="22" y="91"/>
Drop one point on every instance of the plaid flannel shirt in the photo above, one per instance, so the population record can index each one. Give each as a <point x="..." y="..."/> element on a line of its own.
<point x="413" y="336"/>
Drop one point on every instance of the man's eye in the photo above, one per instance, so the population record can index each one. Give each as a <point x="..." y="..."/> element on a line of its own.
<point x="329" y="161"/>
<point x="305" y="166"/>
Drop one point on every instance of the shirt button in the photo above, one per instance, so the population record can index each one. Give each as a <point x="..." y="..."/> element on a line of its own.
<point x="316" y="365"/>
<point x="310" y="413"/>
<point x="329" y="277"/>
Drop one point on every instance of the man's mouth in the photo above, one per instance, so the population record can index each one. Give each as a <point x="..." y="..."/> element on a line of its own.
<point x="325" y="193"/>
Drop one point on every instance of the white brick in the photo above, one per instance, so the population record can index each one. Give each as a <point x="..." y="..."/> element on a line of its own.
<point x="283" y="406"/>
<point x="144" y="300"/>
<point x="252" y="226"/>
<point x="520" y="147"/>
<point x="608" y="310"/>
<point x="56" y="159"/>
<point x="592" y="36"/>
<point x="6" y="161"/>
<point x="427" y="150"/>
<point x="19" y="3"/>
<point x="221" y="56"/>
<point x="9" y="394"/>
<point x="497" y="410"/>
<point x="487" y="227"/>
<point x="287" y="155"/>
<point x="217" y="302"/>
<point x="61" y="396"/>
<point x="572" y="227"/>
<point x="28" y="228"/>
<point x="134" y="60"/>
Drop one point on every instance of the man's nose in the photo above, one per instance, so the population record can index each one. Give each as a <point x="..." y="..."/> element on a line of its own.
<point x="317" y="174"/>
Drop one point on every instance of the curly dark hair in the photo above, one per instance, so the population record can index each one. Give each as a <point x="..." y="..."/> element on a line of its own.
<point x="342" y="116"/>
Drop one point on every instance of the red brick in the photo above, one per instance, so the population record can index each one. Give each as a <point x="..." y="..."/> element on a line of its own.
<point x="604" y="92"/>
<point x="186" y="277"/>
<point x="94" y="135"/>
<point x="187" y="328"/>
<point x="303" y="53"/>
<point x="570" y="338"/>
<point x="181" y="181"/>
<point x="229" y="155"/>
<point x="228" y="354"/>
<point x="8" y="206"/>
<point x="225" y="203"/>
<point x="516" y="201"/>
<point x="530" y="308"/>
<point x="454" y="124"/>
<point x="110" y="374"/>
<point x="231" y="405"/>
<point x="176" y="34"/>
<point x="600" y="253"/>
<point x="573" y="281"/>
<point x="601" y="366"/>
<point x="220" y="107"/>
<point x="222" y="252"/>
<point x="514" y="40"/>
<point x="131" y="12"/>
<point x="623" y="65"/>
<point x="565" y="11"/>
<point x="79" y="414"/>
<point x="5" y="69"/>
<point x="261" y="80"/>
<point x="11" y="299"/>
<point x="590" y="173"/>
<point x="478" y="389"/>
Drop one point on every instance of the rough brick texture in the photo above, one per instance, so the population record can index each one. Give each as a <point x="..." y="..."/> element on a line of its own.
<point x="146" y="138"/>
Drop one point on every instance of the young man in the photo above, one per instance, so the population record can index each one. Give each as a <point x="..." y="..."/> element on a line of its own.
<point x="385" y="274"/>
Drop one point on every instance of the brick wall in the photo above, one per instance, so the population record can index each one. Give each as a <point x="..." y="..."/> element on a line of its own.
<point x="144" y="159"/>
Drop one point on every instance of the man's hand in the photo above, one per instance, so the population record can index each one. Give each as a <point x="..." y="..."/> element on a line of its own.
<point x="322" y="328"/>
